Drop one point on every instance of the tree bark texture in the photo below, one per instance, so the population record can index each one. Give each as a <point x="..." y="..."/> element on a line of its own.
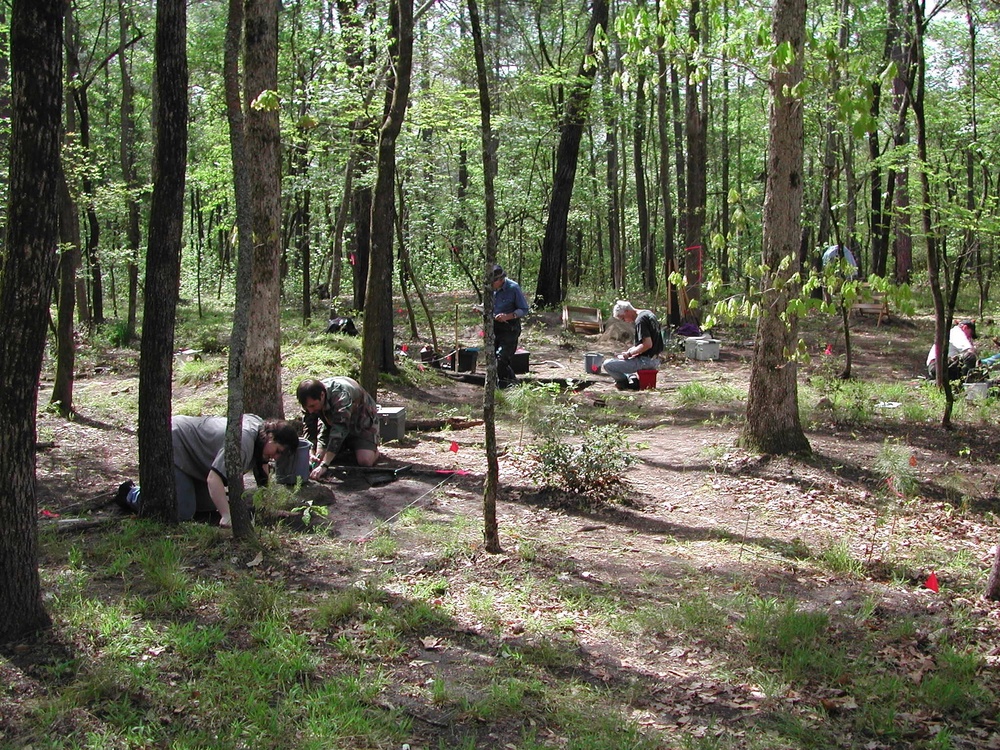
<point x="773" y="424"/>
<point x="163" y="262"/>
<point x="262" y="368"/>
<point x="242" y="526"/>
<point x="491" y="487"/>
<point x="377" y="340"/>
<point x="697" y="160"/>
<point x="129" y="174"/>
<point x="69" y="261"/>
<point x="28" y="274"/>
<point x="549" y="291"/>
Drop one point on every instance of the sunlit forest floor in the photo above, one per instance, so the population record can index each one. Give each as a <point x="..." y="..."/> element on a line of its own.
<point x="705" y="598"/>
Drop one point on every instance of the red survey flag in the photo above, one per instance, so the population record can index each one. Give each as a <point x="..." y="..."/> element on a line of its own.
<point x="453" y="447"/>
<point x="829" y="349"/>
<point x="932" y="582"/>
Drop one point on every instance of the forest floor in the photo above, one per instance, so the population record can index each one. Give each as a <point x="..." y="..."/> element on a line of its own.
<point x="702" y="540"/>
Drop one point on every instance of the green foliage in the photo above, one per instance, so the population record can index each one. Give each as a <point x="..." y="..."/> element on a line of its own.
<point x="710" y="394"/>
<point x="323" y="356"/>
<point x="568" y="453"/>
<point x="839" y="559"/>
<point x="200" y="371"/>
<point x="897" y="464"/>
<point x="114" y="334"/>
<point x="594" y="467"/>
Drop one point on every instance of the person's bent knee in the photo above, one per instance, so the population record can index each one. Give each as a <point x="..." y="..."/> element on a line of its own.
<point x="366" y="457"/>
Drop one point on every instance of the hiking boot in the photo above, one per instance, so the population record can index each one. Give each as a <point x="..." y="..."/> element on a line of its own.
<point x="121" y="496"/>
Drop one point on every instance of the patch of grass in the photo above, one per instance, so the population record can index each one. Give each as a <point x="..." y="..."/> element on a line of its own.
<point x="324" y="355"/>
<point x="201" y="371"/>
<point x="711" y="394"/>
<point x="698" y="616"/>
<point x="382" y="545"/>
<point x="838" y="558"/>
<point x="112" y="334"/>
<point x="194" y="642"/>
<point x="200" y="404"/>
<point x="794" y="640"/>
<point x="248" y="600"/>
<point x="584" y="712"/>
<point x="505" y="696"/>
<point x="952" y="688"/>
<point x="113" y="405"/>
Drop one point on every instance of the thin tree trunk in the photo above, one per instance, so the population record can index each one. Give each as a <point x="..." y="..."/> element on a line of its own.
<point x="666" y="203"/>
<point x="242" y="526"/>
<point x="647" y="255"/>
<point x="491" y="534"/>
<point x="129" y="174"/>
<point x="69" y="261"/>
<point x="697" y="160"/>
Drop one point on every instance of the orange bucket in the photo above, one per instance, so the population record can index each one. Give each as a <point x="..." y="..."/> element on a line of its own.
<point x="647" y="379"/>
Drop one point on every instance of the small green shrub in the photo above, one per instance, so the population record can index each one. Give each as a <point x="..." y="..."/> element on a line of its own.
<point x="114" y="333"/>
<point x="896" y="465"/>
<point x="594" y="465"/>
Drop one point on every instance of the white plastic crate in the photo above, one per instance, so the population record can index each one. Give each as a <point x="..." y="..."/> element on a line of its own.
<point x="698" y="347"/>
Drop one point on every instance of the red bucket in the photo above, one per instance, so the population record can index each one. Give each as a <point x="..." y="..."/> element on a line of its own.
<point x="647" y="379"/>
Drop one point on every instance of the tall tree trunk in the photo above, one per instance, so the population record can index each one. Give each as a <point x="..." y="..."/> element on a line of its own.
<point x="549" y="291"/>
<point x="377" y="340"/>
<point x="5" y="113"/>
<point x="69" y="261"/>
<point x="647" y="255"/>
<point x="163" y="262"/>
<point x="772" y="424"/>
<point x="680" y="173"/>
<point x="724" y="156"/>
<point x="697" y="158"/>
<point x="129" y="175"/>
<point x="262" y="368"/>
<point x="666" y="203"/>
<point x="615" y="254"/>
<point x="28" y="273"/>
<point x="73" y="73"/>
<point x="491" y="533"/>
<point x="942" y="312"/>
<point x="363" y="131"/>
<point x="902" y="237"/>
<point x="242" y="527"/>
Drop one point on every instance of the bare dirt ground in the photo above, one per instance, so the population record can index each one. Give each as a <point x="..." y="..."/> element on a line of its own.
<point x="692" y="484"/>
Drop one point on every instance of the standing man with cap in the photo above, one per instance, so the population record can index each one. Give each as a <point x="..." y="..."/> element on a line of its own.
<point x="509" y="306"/>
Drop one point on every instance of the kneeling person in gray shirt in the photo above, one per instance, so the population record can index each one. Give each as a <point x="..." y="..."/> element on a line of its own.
<point x="199" y="445"/>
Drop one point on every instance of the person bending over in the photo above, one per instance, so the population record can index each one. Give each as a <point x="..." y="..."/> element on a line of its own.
<point x="339" y="414"/>
<point x="200" y="479"/>
<point x="962" y="355"/>
<point x="645" y="350"/>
